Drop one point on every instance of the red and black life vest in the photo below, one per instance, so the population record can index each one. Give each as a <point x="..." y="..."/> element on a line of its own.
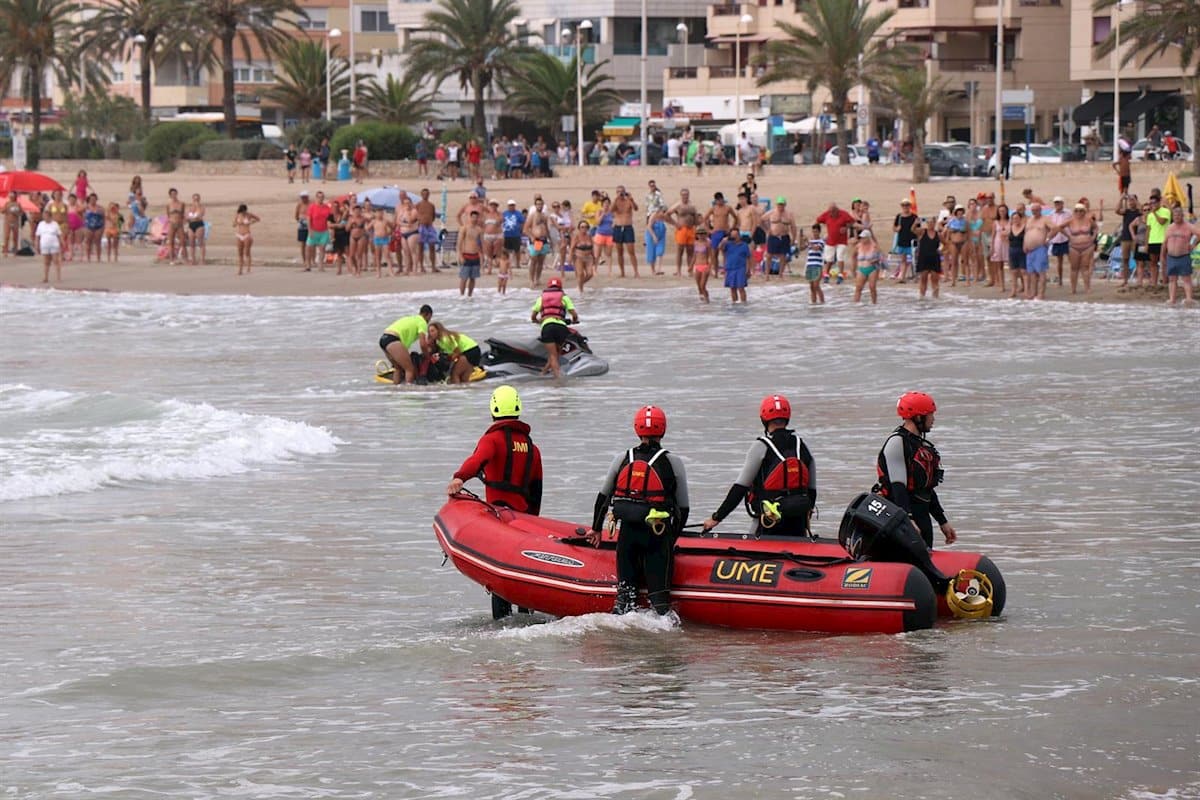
<point x="646" y="478"/>
<point x="518" y="461"/>
<point x="922" y="462"/>
<point x="784" y="469"/>
<point x="552" y="304"/>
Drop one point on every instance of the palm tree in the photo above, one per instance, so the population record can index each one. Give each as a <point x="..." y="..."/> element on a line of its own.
<point x="546" y="92"/>
<point x="908" y="93"/>
<point x="403" y="101"/>
<point x="159" y="22"/>
<point x="1159" y="26"/>
<point x="838" y="46"/>
<point x="473" y="40"/>
<point x="299" y="69"/>
<point x="36" y="37"/>
<point x="218" y="23"/>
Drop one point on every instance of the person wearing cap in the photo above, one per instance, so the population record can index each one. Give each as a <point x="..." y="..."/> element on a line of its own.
<point x="956" y="242"/>
<point x="778" y="481"/>
<point x="781" y="232"/>
<point x="1059" y="248"/>
<point x="869" y="261"/>
<point x="906" y="239"/>
<point x="400" y="336"/>
<point x="1080" y="230"/>
<point x="301" y="216"/>
<point x="505" y="458"/>
<point x="551" y="311"/>
<point x="512" y="222"/>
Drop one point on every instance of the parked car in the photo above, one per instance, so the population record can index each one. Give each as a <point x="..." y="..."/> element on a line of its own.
<point x="1038" y="154"/>
<point x="1142" y="151"/>
<point x="1078" y="152"/>
<point x="948" y="160"/>
<point x="858" y="156"/>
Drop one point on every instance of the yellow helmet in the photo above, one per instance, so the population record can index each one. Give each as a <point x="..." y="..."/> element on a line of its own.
<point x="505" y="402"/>
<point x="969" y="595"/>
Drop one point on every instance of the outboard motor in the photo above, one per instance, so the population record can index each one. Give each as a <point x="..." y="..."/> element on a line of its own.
<point x="875" y="528"/>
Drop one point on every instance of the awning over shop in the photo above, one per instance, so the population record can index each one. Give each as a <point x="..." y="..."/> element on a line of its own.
<point x="1146" y="103"/>
<point x="1100" y="107"/>
<point x="621" y="126"/>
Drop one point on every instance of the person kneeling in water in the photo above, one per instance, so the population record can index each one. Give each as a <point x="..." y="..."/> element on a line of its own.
<point x="399" y="337"/>
<point x="779" y="477"/>
<point x="647" y="489"/>
<point x="551" y="310"/>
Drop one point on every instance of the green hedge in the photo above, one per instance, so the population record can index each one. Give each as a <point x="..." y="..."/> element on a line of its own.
<point x="230" y="150"/>
<point x="57" y="149"/>
<point x="270" y="152"/>
<point x="456" y="134"/>
<point x="5" y="148"/>
<point x="385" y="141"/>
<point x="168" y="141"/>
<point x="132" y="151"/>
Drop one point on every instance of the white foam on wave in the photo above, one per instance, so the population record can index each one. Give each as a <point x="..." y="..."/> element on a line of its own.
<point x="82" y="448"/>
<point x="568" y="627"/>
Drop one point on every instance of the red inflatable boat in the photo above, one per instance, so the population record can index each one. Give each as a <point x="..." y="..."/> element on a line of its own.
<point x="730" y="580"/>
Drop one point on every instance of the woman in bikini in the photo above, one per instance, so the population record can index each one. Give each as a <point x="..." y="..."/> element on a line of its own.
<point x="196" y="230"/>
<point x="112" y="230"/>
<point x="869" y="262"/>
<point x="583" y="254"/>
<point x="358" y="241"/>
<point x="956" y="242"/>
<point x="700" y="266"/>
<point x="974" y="252"/>
<point x="339" y="228"/>
<point x="565" y="223"/>
<point x="1081" y="232"/>
<point x="999" y="247"/>
<point x="242" y="221"/>
<point x="493" y="236"/>
<point x="405" y="237"/>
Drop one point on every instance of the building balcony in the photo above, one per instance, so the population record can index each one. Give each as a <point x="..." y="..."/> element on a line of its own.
<point x="176" y="96"/>
<point x="725" y="19"/>
<point x="708" y="80"/>
<point x="949" y="67"/>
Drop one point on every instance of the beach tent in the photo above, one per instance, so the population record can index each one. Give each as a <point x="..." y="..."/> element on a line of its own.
<point x="756" y="130"/>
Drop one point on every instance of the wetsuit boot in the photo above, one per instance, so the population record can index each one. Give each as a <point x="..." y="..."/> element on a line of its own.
<point x="501" y="608"/>
<point x="626" y="599"/>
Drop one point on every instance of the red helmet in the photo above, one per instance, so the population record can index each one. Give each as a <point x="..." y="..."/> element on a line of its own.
<point x="650" y="421"/>
<point x="774" y="407"/>
<point x="554" y="283"/>
<point x="915" y="404"/>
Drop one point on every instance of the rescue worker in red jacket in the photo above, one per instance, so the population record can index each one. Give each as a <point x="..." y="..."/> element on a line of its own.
<point x="551" y="311"/>
<point x="646" y="487"/>
<point x="778" y="480"/>
<point x="505" y="459"/>
<point x="909" y="467"/>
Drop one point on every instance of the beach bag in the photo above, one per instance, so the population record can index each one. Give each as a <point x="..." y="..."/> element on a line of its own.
<point x="26" y="249"/>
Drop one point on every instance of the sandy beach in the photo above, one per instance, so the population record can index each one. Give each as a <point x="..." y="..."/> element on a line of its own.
<point x="277" y="270"/>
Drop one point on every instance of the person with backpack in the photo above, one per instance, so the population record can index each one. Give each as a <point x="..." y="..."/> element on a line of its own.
<point x="505" y="459"/>
<point x="646" y="488"/>
<point x="778" y="482"/>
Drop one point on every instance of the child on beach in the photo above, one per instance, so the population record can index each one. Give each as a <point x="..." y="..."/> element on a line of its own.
<point x="814" y="265"/>
<point x="242" y="221"/>
<point x="381" y="236"/>
<point x="700" y="266"/>
<point x="656" y="240"/>
<point x="503" y="273"/>
<point x="50" y="244"/>
<point x="113" y="222"/>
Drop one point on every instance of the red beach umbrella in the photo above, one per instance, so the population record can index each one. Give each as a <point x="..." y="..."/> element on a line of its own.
<point x="26" y="181"/>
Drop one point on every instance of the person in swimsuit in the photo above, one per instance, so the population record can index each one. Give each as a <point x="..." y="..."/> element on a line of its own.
<point x="406" y="236"/>
<point x="998" y="252"/>
<point x="470" y="251"/>
<point x="112" y="231"/>
<point x="561" y="226"/>
<point x="682" y="217"/>
<point x="197" y="229"/>
<point x="699" y="265"/>
<point x="1178" y="246"/>
<point x="1081" y="232"/>
<point x="358" y="241"/>
<point x="242" y="220"/>
<point x="537" y="231"/>
<point x="73" y="238"/>
<point x="493" y="235"/>
<point x="82" y="187"/>
<point x="719" y="219"/>
<point x="176" y="239"/>
<point x="1016" y="250"/>
<point x="582" y="255"/>
<point x="870" y="262"/>
<point x="339" y="226"/>
<point x="956" y="241"/>
<point x="381" y="236"/>
<point x="93" y="222"/>
<point x="974" y="251"/>
<point x="462" y="350"/>
<point x="1129" y="211"/>
<point x="12" y="223"/>
<point x="603" y="235"/>
<point x="928" y="264"/>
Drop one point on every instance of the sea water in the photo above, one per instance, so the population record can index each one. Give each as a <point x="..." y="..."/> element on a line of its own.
<point x="218" y="577"/>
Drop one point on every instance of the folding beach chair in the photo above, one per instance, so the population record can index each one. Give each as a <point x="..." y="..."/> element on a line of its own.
<point x="138" y="231"/>
<point x="448" y="248"/>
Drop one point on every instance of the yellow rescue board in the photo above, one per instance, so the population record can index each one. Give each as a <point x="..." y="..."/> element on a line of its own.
<point x="478" y="374"/>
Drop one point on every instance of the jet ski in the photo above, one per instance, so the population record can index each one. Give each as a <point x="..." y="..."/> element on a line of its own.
<point x="526" y="356"/>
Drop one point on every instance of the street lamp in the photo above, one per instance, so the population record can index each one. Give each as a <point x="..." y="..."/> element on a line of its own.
<point x="136" y="41"/>
<point x="1117" y="85"/>
<point x="353" y="63"/>
<point x="682" y="30"/>
<point x="334" y="33"/>
<point x="745" y="19"/>
<point x="585" y="25"/>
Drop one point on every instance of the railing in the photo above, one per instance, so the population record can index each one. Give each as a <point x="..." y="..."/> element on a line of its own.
<point x="683" y="72"/>
<point x="726" y="10"/>
<point x="971" y="65"/>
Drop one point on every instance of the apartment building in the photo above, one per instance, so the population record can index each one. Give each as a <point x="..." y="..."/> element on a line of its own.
<point x="615" y="36"/>
<point x="1150" y="91"/>
<point x="957" y="39"/>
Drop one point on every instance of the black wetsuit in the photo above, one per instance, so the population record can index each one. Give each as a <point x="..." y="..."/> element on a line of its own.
<point x="909" y="468"/>
<point x="760" y="462"/>
<point x="642" y="555"/>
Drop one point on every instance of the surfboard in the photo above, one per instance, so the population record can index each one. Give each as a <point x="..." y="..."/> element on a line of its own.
<point x="478" y="374"/>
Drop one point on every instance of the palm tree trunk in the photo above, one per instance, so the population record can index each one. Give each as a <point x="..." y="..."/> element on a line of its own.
<point x="920" y="171"/>
<point x="839" y="104"/>
<point x="230" y="105"/>
<point x="478" y="123"/>
<point x="35" y="100"/>
<point x="147" y="49"/>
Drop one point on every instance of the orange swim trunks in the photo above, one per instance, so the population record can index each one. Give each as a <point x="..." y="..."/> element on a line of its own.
<point x="685" y="235"/>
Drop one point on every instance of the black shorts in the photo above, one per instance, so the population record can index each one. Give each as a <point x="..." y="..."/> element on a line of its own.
<point x="474" y="356"/>
<point x="1016" y="258"/>
<point x="759" y="236"/>
<point x="196" y="225"/>
<point x="1154" y="249"/>
<point x="1123" y="182"/>
<point x="512" y="244"/>
<point x="927" y="264"/>
<point x="1059" y="248"/>
<point x="1139" y="255"/>
<point x="553" y="333"/>
<point x="386" y="340"/>
<point x="302" y="234"/>
<point x="779" y="245"/>
<point x="622" y="234"/>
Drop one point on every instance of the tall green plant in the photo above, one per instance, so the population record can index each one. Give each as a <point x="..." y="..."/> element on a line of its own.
<point x="908" y="93"/>
<point x="219" y="23"/>
<point x="300" y="79"/>
<point x="838" y="46"/>
<point x="405" y="101"/>
<point x="37" y="38"/>
<point x="547" y="91"/>
<point x="474" y="41"/>
<point x="1158" y="28"/>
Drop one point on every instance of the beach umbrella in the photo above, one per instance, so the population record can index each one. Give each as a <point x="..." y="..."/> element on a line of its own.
<point x="1173" y="191"/>
<point x="386" y="197"/>
<point x="26" y="181"/>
